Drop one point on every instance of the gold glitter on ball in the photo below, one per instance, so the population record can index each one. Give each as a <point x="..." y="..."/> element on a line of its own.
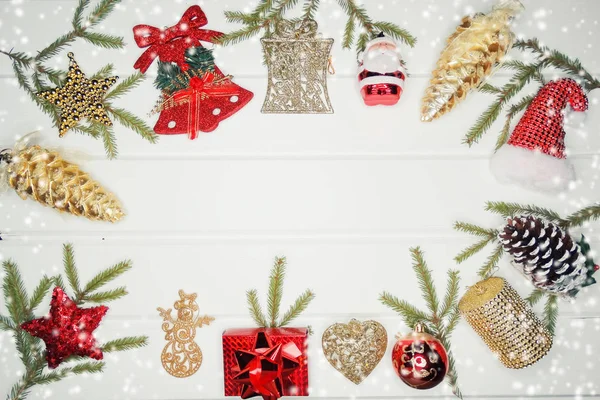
<point x="79" y="98"/>
<point x="355" y="348"/>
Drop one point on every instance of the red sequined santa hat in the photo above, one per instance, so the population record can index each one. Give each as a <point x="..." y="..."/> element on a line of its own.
<point x="535" y="156"/>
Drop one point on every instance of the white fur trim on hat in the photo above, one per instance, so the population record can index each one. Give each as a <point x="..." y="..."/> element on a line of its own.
<point x="531" y="169"/>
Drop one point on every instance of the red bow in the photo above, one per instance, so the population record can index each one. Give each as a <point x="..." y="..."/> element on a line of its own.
<point x="170" y="44"/>
<point x="264" y="370"/>
<point x="199" y="90"/>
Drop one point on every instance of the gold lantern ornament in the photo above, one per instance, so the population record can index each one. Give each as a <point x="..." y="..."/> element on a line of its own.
<point x="298" y="61"/>
<point x="505" y="322"/>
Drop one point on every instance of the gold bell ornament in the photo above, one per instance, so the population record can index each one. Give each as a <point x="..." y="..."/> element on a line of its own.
<point x="505" y="322"/>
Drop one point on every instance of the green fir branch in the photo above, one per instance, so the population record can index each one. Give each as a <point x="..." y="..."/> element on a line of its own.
<point x="396" y="32"/>
<point x="125" y="344"/>
<point x="451" y="297"/>
<point x="310" y="8"/>
<point x="410" y="314"/>
<point x="90" y="367"/>
<point x="535" y="297"/>
<point x="581" y="217"/>
<point x="510" y="210"/>
<point x="105" y="297"/>
<point x="348" y="37"/>
<point x="510" y="115"/>
<point x="473" y="249"/>
<point x="101" y="12"/>
<point x="362" y="41"/>
<point x="425" y="281"/>
<point x="104" y="72"/>
<point x="474" y="229"/>
<point x="15" y="294"/>
<point x="276" y="290"/>
<point x="239" y="17"/>
<point x="78" y="14"/>
<point x="71" y="268"/>
<point x="255" y="309"/>
<point x="106" y="276"/>
<point x="239" y="35"/>
<point x="551" y="313"/>
<point x="133" y="122"/>
<point x="56" y="47"/>
<point x="126" y="85"/>
<point x="103" y="40"/>
<point x="489" y="89"/>
<point x="6" y="324"/>
<point x="491" y="263"/>
<point x="21" y="59"/>
<point x="297" y="308"/>
<point x="40" y="292"/>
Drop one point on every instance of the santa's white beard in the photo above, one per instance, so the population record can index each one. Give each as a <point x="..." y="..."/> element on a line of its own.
<point x="381" y="62"/>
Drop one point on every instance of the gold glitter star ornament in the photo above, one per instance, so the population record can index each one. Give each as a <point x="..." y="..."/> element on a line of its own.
<point x="79" y="98"/>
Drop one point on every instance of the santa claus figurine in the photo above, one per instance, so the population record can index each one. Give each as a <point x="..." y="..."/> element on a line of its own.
<point x="381" y="73"/>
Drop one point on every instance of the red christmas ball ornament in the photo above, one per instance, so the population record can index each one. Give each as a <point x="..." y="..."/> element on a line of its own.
<point x="420" y="360"/>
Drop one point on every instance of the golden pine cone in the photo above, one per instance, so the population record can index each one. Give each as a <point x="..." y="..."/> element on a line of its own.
<point x="43" y="175"/>
<point x="472" y="51"/>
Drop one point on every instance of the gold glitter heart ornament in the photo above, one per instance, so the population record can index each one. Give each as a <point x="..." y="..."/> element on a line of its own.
<point x="355" y="348"/>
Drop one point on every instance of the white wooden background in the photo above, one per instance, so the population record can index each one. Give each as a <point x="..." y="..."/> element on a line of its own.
<point x="343" y="196"/>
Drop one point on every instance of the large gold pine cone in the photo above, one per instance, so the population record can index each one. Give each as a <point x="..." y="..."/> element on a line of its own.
<point x="473" y="50"/>
<point x="506" y="323"/>
<point x="44" y="176"/>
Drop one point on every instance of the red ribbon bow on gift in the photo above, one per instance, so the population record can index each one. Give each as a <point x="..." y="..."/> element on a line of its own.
<point x="263" y="371"/>
<point x="199" y="90"/>
<point x="170" y="44"/>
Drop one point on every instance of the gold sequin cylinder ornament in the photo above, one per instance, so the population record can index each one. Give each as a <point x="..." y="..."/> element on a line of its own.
<point x="355" y="348"/>
<point x="182" y="357"/>
<point x="298" y="64"/>
<point x="505" y="322"/>
<point x="44" y="176"/>
<point x="472" y="52"/>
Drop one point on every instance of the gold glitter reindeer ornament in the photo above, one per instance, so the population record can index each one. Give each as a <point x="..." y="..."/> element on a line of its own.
<point x="182" y="357"/>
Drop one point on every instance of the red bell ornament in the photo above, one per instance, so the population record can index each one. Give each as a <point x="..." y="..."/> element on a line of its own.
<point x="420" y="360"/>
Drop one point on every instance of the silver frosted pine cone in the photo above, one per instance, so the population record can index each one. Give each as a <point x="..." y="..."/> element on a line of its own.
<point x="547" y="255"/>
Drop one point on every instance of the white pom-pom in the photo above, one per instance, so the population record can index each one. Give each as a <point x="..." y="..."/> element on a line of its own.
<point x="531" y="169"/>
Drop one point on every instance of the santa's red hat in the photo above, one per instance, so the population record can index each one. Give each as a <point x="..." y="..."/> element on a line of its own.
<point x="535" y="156"/>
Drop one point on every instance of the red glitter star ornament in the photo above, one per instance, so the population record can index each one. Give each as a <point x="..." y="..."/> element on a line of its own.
<point x="67" y="330"/>
<point x="264" y="370"/>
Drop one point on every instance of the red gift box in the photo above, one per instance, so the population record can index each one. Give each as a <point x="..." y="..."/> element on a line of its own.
<point x="292" y="343"/>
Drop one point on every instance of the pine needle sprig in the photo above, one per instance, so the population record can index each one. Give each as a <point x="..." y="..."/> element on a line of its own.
<point x="255" y="309"/>
<point x="103" y="40"/>
<point x="276" y="280"/>
<point x="310" y="9"/>
<point x="71" y="268"/>
<point x="276" y="290"/>
<point x="267" y="14"/>
<point x="105" y="297"/>
<point x="473" y="249"/>
<point x="508" y="210"/>
<point x="583" y="216"/>
<point x="451" y="297"/>
<point x="21" y="309"/>
<point x="297" y="308"/>
<point x="535" y="297"/>
<point x="124" y="344"/>
<point x="551" y="313"/>
<point x="104" y="277"/>
<point x="441" y="324"/>
<point x="410" y="314"/>
<point x="491" y="264"/>
<point x="40" y="292"/>
<point x="425" y="281"/>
